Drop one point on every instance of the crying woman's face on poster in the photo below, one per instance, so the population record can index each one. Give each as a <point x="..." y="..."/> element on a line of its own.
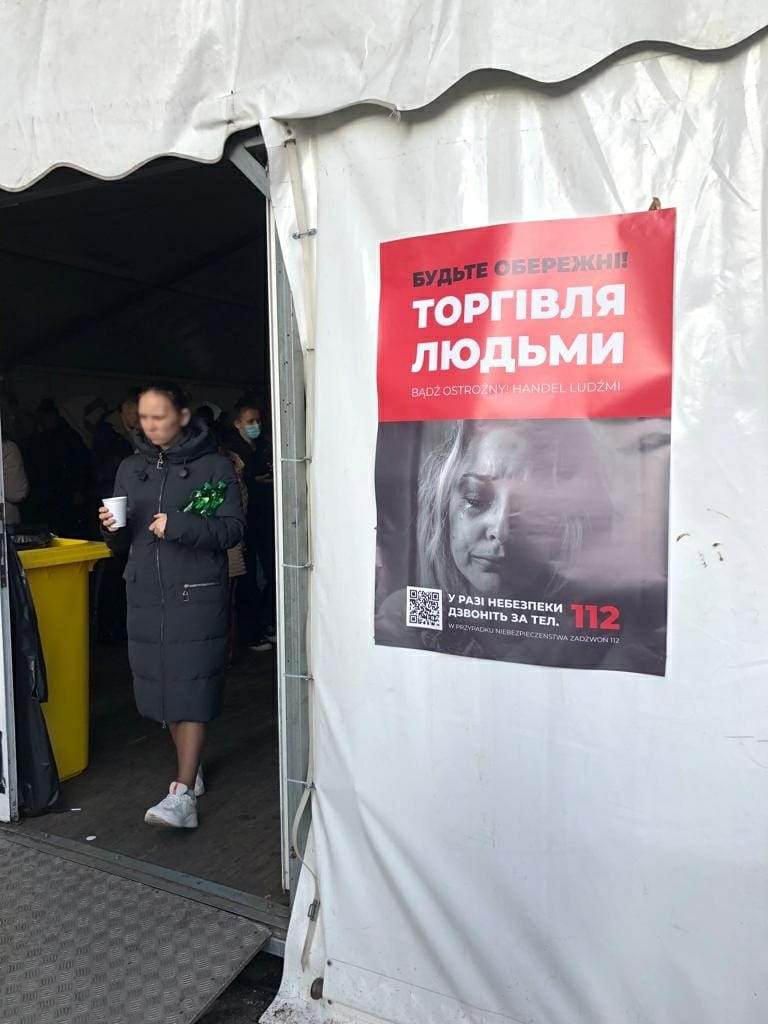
<point x="520" y="494"/>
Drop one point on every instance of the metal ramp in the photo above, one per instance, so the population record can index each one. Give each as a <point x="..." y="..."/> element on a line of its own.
<point x="78" y="944"/>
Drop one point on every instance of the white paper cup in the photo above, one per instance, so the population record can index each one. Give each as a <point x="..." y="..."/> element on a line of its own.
<point x="119" y="509"/>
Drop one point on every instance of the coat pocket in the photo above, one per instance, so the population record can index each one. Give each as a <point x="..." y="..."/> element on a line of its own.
<point x="130" y="573"/>
<point x="200" y="592"/>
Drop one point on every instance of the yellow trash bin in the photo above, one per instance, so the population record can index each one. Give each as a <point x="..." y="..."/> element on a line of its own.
<point x="58" y="580"/>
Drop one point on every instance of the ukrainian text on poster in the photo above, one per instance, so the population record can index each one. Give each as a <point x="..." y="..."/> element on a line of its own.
<point x="522" y="469"/>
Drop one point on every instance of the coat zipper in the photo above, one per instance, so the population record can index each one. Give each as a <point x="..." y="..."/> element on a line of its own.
<point x="161" y="469"/>
<point x="195" y="586"/>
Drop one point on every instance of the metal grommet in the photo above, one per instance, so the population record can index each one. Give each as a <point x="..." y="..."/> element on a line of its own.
<point x="316" y="990"/>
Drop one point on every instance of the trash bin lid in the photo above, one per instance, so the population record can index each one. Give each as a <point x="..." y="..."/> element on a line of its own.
<point x="64" y="552"/>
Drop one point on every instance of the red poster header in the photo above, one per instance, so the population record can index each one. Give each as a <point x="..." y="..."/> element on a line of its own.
<point x="554" y="319"/>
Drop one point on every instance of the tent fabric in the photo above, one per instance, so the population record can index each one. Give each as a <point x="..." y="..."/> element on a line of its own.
<point x="158" y="275"/>
<point x="105" y="86"/>
<point x="494" y="842"/>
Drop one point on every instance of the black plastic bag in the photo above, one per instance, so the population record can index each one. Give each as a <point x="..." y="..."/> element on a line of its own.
<point x="27" y="536"/>
<point x="38" y="778"/>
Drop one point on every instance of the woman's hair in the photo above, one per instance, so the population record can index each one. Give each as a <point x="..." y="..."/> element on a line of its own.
<point x="175" y="395"/>
<point x="247" y="402"/>
<point x="132" y="396"/>
<point x="554" y="440"/>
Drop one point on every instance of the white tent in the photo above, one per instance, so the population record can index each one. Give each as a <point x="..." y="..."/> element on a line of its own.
<point x="106" y="87"/>
<point x="490" y="842"/>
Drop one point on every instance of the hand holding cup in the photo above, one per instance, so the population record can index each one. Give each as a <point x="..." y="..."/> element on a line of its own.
<point x="113" y="513"/>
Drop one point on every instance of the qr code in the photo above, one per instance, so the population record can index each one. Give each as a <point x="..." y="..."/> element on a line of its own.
<point x="425" y="608"/>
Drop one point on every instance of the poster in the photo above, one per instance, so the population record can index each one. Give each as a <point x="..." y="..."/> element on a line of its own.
<point x="522" y="464"/>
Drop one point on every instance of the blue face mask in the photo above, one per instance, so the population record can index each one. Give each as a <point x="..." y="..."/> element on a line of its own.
<point x="253" y="430"/>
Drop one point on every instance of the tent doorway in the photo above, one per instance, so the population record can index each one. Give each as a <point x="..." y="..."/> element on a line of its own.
<point x="104" y="286"/>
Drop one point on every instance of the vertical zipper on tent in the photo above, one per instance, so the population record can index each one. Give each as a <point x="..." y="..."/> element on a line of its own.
<point x="161" y="469"/>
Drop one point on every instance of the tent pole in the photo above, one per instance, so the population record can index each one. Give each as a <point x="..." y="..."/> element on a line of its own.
<point x="250" y="167"/>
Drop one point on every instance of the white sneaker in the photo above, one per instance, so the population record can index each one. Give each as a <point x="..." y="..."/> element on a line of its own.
<point x="177" y="810"/>
<point x="199" y="783"/>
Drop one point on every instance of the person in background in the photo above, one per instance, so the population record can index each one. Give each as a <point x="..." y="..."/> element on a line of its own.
<point x="110" y="448"/>
<point x="236" y="556"/>
<point x="14" y="474"/>
<point x="256" y="592"/>
<point x="205" y="413"/>
<point x="177" y="583"/>
<point x="129" y="414"/>
<point x="62" y="474"/>
<point x="210" y="414"/>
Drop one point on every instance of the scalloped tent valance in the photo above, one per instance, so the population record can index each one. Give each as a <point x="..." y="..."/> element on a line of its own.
<point x="105" y="87"/>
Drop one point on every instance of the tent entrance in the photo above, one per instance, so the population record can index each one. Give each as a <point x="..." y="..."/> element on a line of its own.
<point x="104" y="286"/>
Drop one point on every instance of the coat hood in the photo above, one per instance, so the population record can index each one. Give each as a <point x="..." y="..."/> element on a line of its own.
<point x="196" y="441"/>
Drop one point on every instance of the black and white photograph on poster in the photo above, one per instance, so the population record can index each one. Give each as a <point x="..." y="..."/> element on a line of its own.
<point x="538" y="541"/>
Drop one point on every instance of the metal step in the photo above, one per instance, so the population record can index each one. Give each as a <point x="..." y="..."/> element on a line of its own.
<point x="273" y="915"/>
<point x="80" y="943"/>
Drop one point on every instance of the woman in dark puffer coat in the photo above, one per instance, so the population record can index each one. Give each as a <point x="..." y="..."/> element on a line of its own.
<point x="176" y="582"/>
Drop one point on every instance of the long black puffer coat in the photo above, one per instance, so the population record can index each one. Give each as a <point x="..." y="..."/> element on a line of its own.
<point x="177" y="588"/>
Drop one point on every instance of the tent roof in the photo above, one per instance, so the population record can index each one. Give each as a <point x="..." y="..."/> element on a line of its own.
<point x="106" y="86"/>
<point x="162" y="274"/>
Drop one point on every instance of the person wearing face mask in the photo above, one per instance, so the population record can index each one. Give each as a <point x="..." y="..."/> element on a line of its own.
<point x="256" y="592"/>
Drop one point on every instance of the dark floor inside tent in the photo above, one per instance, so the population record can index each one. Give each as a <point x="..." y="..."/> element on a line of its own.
<point x="237" y="843"/>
